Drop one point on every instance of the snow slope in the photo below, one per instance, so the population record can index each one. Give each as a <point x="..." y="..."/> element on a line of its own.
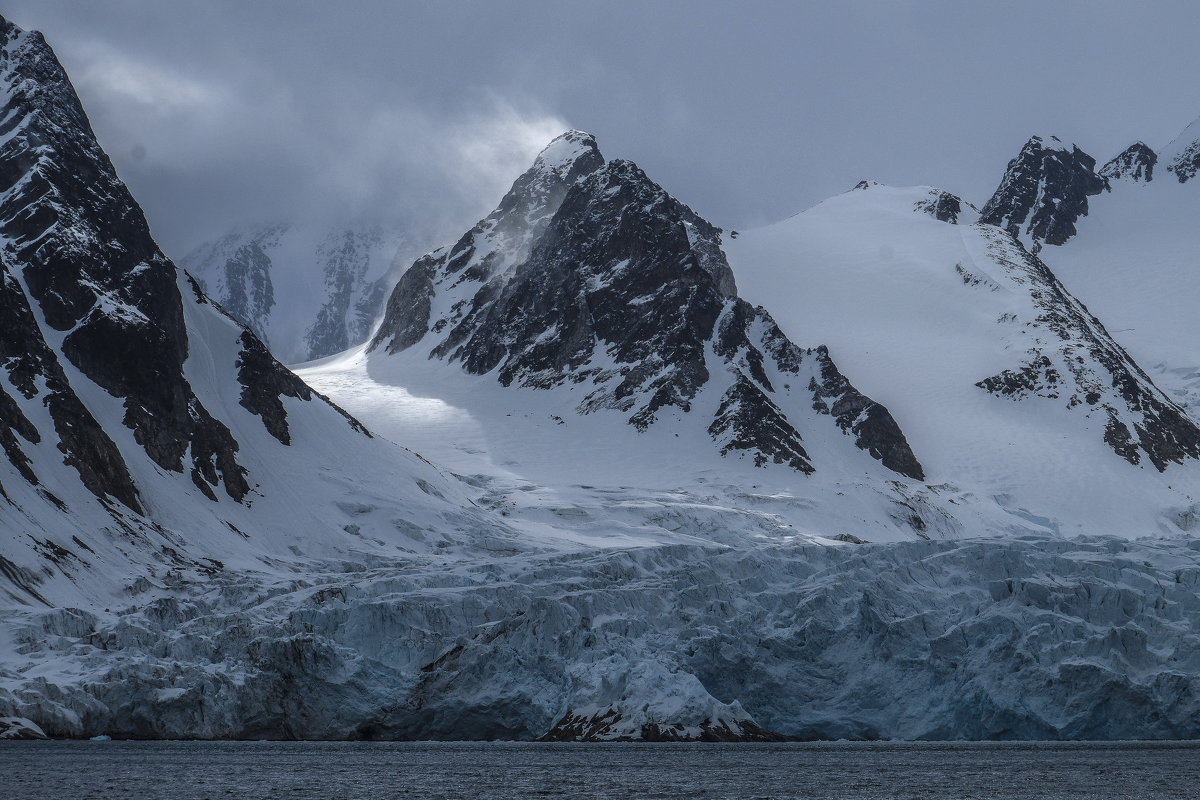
<point x="1005" y="386"/>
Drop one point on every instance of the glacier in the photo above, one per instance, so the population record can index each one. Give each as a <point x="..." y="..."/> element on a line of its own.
<point x="1013" y="638"/>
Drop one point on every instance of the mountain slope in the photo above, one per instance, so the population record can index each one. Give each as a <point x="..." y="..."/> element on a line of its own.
<point x="1005" y="383"/>
<point x="144" y="432"/>
<point x="1134" y="261"/>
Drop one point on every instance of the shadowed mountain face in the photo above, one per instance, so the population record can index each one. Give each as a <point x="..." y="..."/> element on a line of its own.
<point x="142" y="430"/>
<point x="589" y="275"/>
<point x="88" y="293"/>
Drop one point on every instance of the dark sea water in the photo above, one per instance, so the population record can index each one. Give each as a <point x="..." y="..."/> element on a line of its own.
<point x="193" y="770"/>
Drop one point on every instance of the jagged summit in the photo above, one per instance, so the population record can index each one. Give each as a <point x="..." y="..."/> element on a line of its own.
<point x="589" y="276"/>
<point x="1134" y="163"/>
<point x="1043" y="193"/>
<point x="538" y="192"/>
<point x="565" y="150"/>
<point x="1053" y="143"/>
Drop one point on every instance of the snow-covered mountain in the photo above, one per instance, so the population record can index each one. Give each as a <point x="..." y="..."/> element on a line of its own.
<point x="590" y="280"/>
<point x="1007" y="386"/>
<point x="657" y="525"/>
<point x="306" y="292"/>
<point x="147" y="436"/>
<point x="588" y="334"/>
<point x="1133" y="261"/>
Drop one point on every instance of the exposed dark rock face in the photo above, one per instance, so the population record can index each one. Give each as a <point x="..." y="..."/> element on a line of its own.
<point x="85" y="254"/>
<point x="942" y="206"/>
<point x="1083" y="366"/>
<point x="590" y="274"/>
<point x="265" y="382"/>
<point x="1044" y="192"/>
<point x="606" y="727"/>
<point x="35" y="373"/>
<point x="1135" y="163"/>
<point x="872" y="425"/>
<point x="86" y="297"/>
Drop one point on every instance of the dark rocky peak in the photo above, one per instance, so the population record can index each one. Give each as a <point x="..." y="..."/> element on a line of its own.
<point x="536" y="195"/>
<point x="864" y="184"/>
<point x="1134" y="163"/>
<point x="637" y="218"/>
<point x="1044" y="192"/>
<point x="604" y="273"/>
<point x="626" y="293"/>
<point x="943" y="206"/>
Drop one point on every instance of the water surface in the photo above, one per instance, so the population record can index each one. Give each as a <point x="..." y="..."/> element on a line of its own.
<point x="351" y="770"/>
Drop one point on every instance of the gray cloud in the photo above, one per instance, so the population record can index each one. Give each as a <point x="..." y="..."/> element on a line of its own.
<point x="227" y="110"/>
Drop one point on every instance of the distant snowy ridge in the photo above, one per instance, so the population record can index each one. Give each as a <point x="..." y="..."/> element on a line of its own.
<point x="306" y="292"/>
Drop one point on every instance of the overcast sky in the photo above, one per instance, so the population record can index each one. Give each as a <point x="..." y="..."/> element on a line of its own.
<point x="228" y="110"/>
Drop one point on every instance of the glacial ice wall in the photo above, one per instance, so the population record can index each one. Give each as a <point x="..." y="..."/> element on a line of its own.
<point x="985" y="639"/>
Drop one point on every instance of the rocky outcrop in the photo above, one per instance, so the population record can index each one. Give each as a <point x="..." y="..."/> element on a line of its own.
<point x="1044" y="192"/>
<point x="943" y="206"/>
<point x="13" y="728"/>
